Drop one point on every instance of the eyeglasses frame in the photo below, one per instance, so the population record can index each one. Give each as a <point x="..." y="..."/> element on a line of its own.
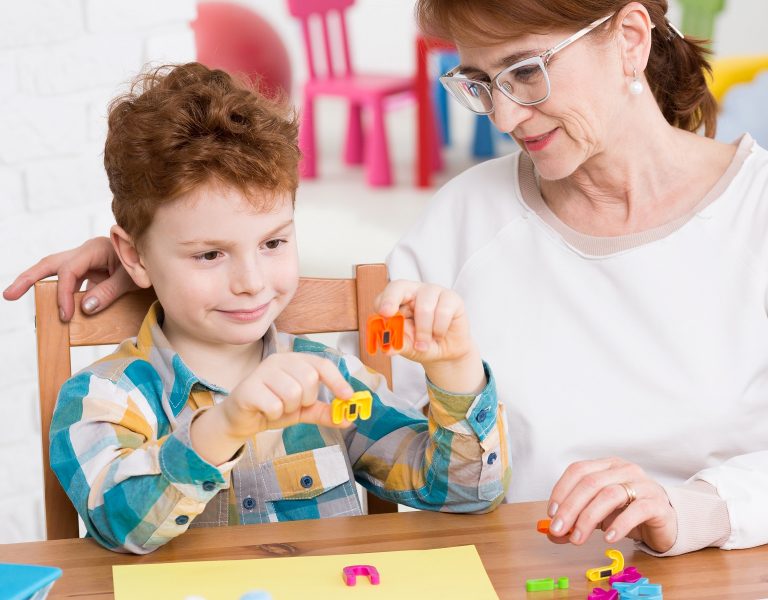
<point x="542" y="60"/>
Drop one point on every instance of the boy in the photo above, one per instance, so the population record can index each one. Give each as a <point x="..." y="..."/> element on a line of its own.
<point x="211" y="414"/>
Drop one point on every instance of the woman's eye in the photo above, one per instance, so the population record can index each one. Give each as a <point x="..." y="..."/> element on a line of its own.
<point x="209" y="256"/>
<point x="274" y="244"/>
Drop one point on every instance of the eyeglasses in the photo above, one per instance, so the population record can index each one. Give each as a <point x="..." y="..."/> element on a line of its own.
<point x="525" y="82"/>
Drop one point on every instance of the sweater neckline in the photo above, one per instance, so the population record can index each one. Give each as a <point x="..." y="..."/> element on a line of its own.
<point x="607" y="245"/>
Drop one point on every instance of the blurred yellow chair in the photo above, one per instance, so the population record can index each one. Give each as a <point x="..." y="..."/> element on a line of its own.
<point x="731" y="70"/>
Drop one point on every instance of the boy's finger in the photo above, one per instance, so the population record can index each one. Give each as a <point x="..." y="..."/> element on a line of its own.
<point x="396" y="293"/>
<point x="448" y="307"/>
<point x="286" y="388"/>
<point x="331" y="377"/>
<point x="424" y="315"/>
<point x="320" y="414"/>
<point x="101" y="295"/>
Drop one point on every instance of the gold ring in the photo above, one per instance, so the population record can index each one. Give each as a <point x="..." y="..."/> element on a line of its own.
<point x="631" y="494"/>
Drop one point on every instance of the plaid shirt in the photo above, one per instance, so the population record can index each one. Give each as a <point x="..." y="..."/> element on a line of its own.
<point x="121" y="448"/>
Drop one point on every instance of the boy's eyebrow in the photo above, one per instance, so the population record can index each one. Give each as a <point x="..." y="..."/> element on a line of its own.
<point x="224" y="243"/>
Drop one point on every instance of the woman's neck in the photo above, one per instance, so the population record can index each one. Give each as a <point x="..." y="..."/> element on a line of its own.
<point x="650" y="174"/>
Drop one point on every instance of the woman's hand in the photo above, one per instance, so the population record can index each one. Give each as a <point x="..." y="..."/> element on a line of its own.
<point x="613" y="495"/>
<point x="94" y="261"/>
<point x="435" y="333"/>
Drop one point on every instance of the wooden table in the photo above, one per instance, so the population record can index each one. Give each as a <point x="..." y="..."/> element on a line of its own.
<point x="506" y="539"/>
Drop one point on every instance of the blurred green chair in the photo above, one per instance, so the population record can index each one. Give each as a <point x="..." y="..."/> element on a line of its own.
<point x="699" y="17"/>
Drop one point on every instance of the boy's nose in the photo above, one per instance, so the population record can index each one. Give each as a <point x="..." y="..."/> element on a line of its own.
<point x="246" y="279"/>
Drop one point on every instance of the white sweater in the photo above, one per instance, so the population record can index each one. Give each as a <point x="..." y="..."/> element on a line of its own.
<point x="652" y="347"/>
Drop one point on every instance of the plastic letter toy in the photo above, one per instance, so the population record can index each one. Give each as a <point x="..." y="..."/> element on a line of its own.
<point x="542" y="526"/>
<point x="358" y="406"/>
<point x="628" y="575"/>
<point x="386" y="332"/>
<point x="616" y="565"/>
<point x="601" y="594"/>
<point x="543" y="585"/>
<point x="646" y="591"/>
<point x="351" y="572"/>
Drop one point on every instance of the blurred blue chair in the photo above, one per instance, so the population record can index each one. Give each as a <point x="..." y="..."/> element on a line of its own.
<point x="743" y="111"/>
<point x="483" y="145"/>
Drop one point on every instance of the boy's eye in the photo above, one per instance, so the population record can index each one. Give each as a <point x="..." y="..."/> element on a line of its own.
<point x="274" y="244"/>
<point x="208" y="256"/>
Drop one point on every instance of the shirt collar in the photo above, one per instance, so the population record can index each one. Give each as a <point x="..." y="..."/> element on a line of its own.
<point x="177" y="378"/>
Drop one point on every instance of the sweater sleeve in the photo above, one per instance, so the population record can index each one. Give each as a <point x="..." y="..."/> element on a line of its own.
<point x="702" y="518"/>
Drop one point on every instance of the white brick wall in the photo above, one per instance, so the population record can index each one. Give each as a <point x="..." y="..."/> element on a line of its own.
<point x="61" y="61"/>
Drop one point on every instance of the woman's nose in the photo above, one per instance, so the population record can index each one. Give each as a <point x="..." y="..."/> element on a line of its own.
<point x="508" y="114"/>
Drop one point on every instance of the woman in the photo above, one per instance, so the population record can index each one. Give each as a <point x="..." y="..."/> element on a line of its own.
<point x="614" y="269"/>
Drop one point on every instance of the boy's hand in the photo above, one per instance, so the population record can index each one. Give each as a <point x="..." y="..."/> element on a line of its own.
<point x="435" y="333"/>
<point x="282" y="391"/>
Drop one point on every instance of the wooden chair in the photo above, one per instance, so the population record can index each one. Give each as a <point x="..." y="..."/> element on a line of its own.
<point x="320" y="306"/>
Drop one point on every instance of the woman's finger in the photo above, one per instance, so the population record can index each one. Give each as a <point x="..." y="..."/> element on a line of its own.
<point x="104" y="293"/>
<point x="572" y="476"/>
<point x="606" y="502"/>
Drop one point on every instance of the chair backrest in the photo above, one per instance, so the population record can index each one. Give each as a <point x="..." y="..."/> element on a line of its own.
<point x="330" y="64"/>
<point x="319" y="306"/>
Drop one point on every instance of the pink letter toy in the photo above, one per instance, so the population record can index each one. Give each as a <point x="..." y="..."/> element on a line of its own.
<point x="351" y="572"/>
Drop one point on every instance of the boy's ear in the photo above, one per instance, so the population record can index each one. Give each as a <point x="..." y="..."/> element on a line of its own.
<point x="128" y="254"/>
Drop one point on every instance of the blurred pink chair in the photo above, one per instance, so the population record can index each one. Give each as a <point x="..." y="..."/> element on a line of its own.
<point x="332" y="75"/>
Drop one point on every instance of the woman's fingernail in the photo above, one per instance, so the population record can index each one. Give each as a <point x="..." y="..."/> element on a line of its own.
<point x="556" y="526"/>
<point x="610" y="535"/>
<point x="61" y="314"/>
<point x="90" y="304"/>
<point x="553" y="509"/>
<point x="576" y="537"/>
<point x="421" y="346"/>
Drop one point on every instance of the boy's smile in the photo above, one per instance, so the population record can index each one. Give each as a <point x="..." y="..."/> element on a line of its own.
<point x="222" y="267"/>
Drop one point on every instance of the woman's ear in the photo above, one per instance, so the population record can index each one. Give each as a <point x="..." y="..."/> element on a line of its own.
<point x="634" y="31"/>
<point x="128" y="254"/>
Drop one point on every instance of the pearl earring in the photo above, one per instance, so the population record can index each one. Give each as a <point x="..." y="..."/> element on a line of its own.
<point x="635" y="87"/>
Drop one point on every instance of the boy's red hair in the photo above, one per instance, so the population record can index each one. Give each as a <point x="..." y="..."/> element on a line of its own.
<point x="180" y="127"/>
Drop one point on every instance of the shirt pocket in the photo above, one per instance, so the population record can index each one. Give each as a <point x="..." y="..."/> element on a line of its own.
<point x="312" y="484"/>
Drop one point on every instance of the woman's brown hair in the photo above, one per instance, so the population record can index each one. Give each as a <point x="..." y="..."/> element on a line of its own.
<point x="180" y="127"/>
<point x="677" y="67"/>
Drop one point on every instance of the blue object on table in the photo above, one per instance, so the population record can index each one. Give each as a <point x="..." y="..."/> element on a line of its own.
<point x="26" y="582"/>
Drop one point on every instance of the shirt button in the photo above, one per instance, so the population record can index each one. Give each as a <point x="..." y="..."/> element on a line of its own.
<point x="492" y="458"/>
<point x="182" y="520"/>
<point x="209" y="486"/>
<point x="481" y="415"/>
<point x="306" y="482"/>
<point x="249" y="503"/>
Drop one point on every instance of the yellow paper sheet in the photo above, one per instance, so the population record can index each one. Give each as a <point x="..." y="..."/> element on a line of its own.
<point x="446" y="573"/>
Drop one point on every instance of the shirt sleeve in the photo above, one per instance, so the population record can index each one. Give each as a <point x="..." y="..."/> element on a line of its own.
<point x="742" y="483"/>
<point x="455" y="460"/>
<point x="135" y="484"/>
<point x="702" y="519"/>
